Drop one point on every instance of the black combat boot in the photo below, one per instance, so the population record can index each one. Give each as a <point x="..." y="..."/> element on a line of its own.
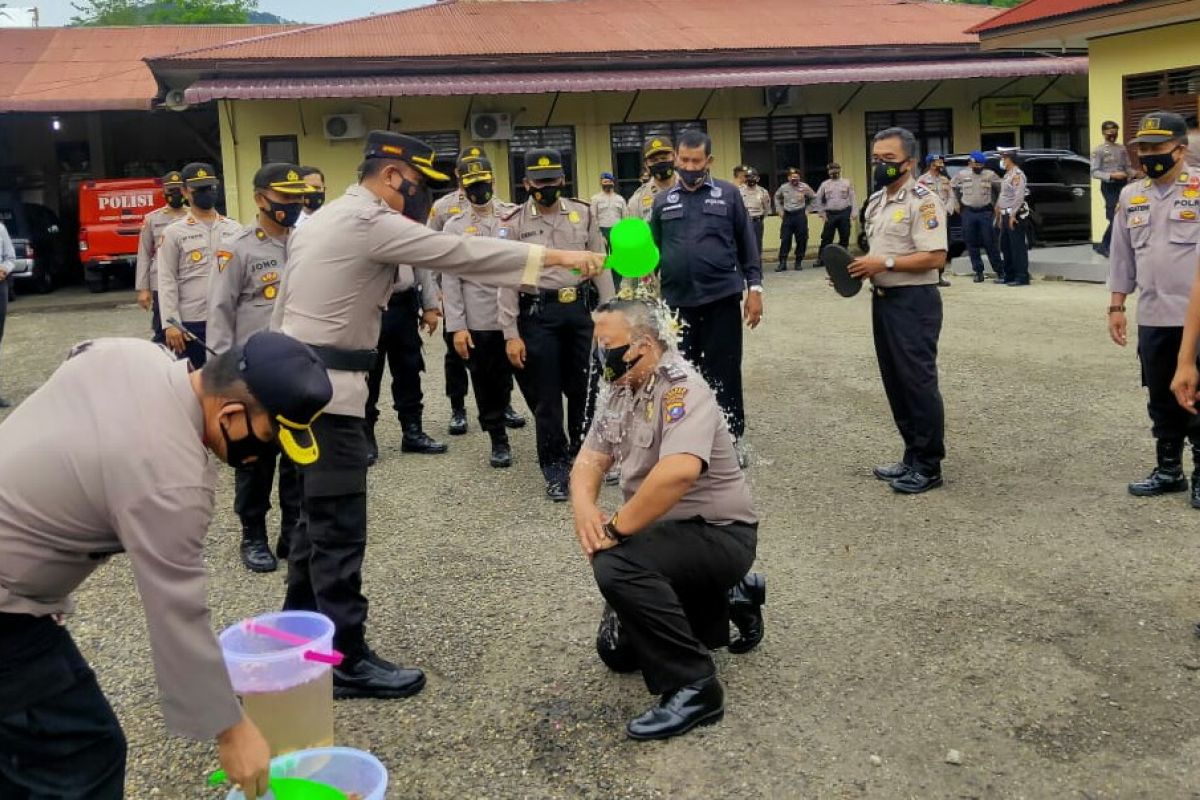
<point x="512" y="419"/>
<point x="1168" y="476"/>
<point x="372" y="447"/>
<point x="501" y="452"/>
<point x="458" y="422"/>
<point x="256" y="553"/>
<point x="746" y="600"/>
<point x="1195" y="474"/>
<point x="417" y="441"/>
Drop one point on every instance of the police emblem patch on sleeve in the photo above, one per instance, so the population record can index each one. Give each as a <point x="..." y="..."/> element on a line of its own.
<point x="674" y="408"/>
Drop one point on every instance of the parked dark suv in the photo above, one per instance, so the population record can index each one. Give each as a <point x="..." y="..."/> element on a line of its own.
<point x="37" y="240"/>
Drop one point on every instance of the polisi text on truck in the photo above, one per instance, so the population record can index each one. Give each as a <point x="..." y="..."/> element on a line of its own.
<point x="127" y="201"/>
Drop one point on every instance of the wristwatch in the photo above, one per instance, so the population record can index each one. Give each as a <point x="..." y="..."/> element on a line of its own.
<point x="889" y="263"/>
<point x="1115" y="309"/>
<point x="758" y="288"/>
<point x="610" y="530"/>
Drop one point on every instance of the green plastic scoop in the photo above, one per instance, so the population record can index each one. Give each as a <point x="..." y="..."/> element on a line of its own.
<point x="290" y="788"/>
<point x="634" y="254"/>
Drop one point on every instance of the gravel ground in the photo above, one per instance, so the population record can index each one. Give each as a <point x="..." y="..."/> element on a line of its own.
<point x="1031" y="615"/>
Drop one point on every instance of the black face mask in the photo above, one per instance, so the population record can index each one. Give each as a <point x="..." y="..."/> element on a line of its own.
<point x="175" y="199"/>
<point x="835" y="175"/>
<point x="314" y="201"/>
<point x="417" y="200"/>
<point x="546" y="195"/>
<point x="479" y="194"/>
<point x="662" y="170"/>
<point x="887" y="172"/>
<point x="692" y="178"/>
<point x="977" y="169"/>
<point x="1158" y="164"/>
<point x="613" y="360"/>
<point x="752" y="181"/>
<point x="284" y="214"/>
<point x="239" y="452"/>
<point x="204" y="198"/>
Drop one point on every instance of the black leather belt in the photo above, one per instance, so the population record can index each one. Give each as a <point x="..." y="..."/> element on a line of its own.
<point x="568" y="294"/>
<point x="979" y="208"/>
<point x="346" y="360"/>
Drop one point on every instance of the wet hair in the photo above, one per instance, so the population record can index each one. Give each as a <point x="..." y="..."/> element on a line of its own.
<point x="645" y="318"/>
<point x="312" y="171"/>
<point x="221" y="376"/>
<point x="694" y="138"/>
<point x="907" y="140"/>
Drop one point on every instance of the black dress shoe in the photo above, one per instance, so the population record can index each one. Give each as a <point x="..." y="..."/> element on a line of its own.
<point x="458" y="422"/>
<point x="916" y="482"/>
<point x="891" y="472"/>
<point x="1000" y="279"/>
<point x="4" y="403"/>
<point x="417" y="441"/>
<point x="746" y="600"/>
<point x="512" y="419"/>
<point x="1016" y="283"/>
<point x="782" y="267"/>
<point x="501" y="456"/>
<point x="679" y="711"/>
<point x="978" y="277"/>
<point x="942" y="282"/>
<point x="372" y="676"/>
<point x="799" y="265"/>
<point x="372" y="447"/>
<point x="1161" y="481"/>
<point x="556" y="490"/>
<point x="256" y="553"/>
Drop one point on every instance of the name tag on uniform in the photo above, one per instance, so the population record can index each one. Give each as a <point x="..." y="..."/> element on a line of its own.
<point x="528" y="234"/>
<point x="672" y="212"/>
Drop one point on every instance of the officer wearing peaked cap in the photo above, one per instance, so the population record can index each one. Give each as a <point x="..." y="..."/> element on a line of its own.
<point x="835" y="203"/>
<point x="658" y="157"/>
<point x="241" y="296"/>
<point x="127" y="430"/>
<point x="976" y="189"/>
<point x="1011" y="218"/>
<point x="153" y="225"/>
<point x="341" y="270"/>
<point x="1156" y="233"/>
<point x="1110" y="166"/>
<point x="548" y="330"/>
<point x="608" y="204"/>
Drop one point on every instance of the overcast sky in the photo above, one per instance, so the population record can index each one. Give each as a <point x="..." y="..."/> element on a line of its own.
<point x="59" y="12"/>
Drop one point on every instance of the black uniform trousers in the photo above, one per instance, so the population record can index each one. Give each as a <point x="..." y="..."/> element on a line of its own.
<point x="1158" y="352"/>
<point x="836" y="222"/>
<point x="794" y="226"/>
<point x="669" y="585"/>
<point x="1111" y="191"/>
<point x="558" y="364"/>
<point x="327" y="547"/>
<point x="906" y="323"/>
<point x="757" y="224"/>
<point x="400" y="345"/>
<point x="491" y="377"/>
<point x="156" y="320"/>
<point x="1015" y="244"/>
<point x="3" y="307"/>
<point x="194" y="351"/>
<point x="979" y="233"/>
<point x="252" y="494"/>
<point x="59" y="738"/>
<point x="712" y="341"/>
<point x="457" y="382"/>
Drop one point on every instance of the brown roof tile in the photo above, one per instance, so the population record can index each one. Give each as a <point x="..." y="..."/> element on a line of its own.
<point x="1033" y="11"/>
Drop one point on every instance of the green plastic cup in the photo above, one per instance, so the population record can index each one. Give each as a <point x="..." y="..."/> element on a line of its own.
<point x="634" y="254"/>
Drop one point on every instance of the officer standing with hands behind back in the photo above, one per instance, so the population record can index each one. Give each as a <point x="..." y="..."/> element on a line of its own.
<point x="1110" y="166"/>
<point x="906" y="227"/>
<point x="976" y="189"/>
<point x="341" y="269"/>
<point x="791" y="200"/>
<point x="608" y="206"/>
<point x="153" y="225"/>
<point x="1011" y="214"/>
<point x="835" y="203"/>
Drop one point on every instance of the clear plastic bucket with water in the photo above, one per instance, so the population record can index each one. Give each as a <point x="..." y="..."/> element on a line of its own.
<point x="280" y="666"/>
<point x="357" y="774"/>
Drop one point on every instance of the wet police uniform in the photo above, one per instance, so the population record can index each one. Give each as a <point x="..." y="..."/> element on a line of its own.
<point x="189" y="252"/>
<point x="341" y="270"/>
<point x="474" y="307"/>
<point x="792" y="203"/>
<point x="1108" y="158"/>
<point x="241" y="297"/>
<point x="120" y="428"/>
<point x="555" y="322"/>
<point x="400" y="344"/>
<point x="836" y="200"/>
<point x="976" y="196"/>
<point x="669" y="582"/>
<point x="153" y="225"/>
<point x="708" y="260"/>
<point x="758" y="205"/>
<point x="906" y="316"/>
<point x="1155" y="241"/>
<point x="1013" y="242"/>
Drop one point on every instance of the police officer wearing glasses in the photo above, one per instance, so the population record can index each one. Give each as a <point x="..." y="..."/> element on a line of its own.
<point x="341" y="270"/>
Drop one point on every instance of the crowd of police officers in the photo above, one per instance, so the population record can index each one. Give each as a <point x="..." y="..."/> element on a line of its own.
<point x="518" y="286"/>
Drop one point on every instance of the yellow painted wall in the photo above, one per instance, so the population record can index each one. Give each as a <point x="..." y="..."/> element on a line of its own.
<point x="1111" y="58"/>
<point x="591" y="116"/>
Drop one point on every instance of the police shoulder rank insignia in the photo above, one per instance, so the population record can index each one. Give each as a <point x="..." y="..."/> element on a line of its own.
<point x="223" y="258"/>
<point x="920" y="191"/>
<point x="675" y="373"/>
<point x="674" y="408"/>
<point x="574" y="216"/>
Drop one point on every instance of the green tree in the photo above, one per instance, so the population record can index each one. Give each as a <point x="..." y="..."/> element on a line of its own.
<point x="163" y="12"/>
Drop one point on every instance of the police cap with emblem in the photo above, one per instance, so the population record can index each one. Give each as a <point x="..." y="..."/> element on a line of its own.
<point x="657" y="144"/>
<point x="292" y="384"/>
<point x="543" y="164"/>
<point x="282" y="178"/>
<point x="476" y="171"/>
<point x="172" y="180"/>
<point x="409" y="149"/>
<point x="1161" y="126"/>
<point x="197" y="175"/>
<point x="472" y="153"/>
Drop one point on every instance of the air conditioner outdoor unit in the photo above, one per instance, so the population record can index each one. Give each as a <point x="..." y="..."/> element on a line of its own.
<point x="777" y="96"/>
<point x="344" y="126"/>
<point x="490" y="127"/>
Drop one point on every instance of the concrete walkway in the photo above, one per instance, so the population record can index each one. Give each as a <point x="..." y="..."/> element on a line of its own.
<point x="70" y="298"/>
<point x="1076" y="262"/>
